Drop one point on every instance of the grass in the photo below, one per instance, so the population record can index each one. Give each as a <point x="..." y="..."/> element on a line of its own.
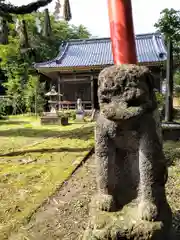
<point x="18" y="131"/>
<point x="172" y="152"/>
<point x="66" y="215"/>
<point x="34" y="172"/>
<point x="31" y="173"/>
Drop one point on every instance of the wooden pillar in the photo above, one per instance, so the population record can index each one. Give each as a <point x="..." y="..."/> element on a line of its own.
<point x="59" y="92"/>
<point x="50" y="85"/>
<point x="169" y="82"/>
<point x="4" y="32"/>
<point x="25" y="40"/>
<point x="92" y="93"/>
<point x="161" y="79"/>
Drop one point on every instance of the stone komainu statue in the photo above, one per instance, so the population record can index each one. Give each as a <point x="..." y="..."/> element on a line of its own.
<point x="130" y="163"/>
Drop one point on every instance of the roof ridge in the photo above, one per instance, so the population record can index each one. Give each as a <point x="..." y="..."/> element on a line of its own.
<point x="62" y="54"/>
<point x="88" y="39"/>
<point x="58" y="57"/>
<point x="155" y="45"/>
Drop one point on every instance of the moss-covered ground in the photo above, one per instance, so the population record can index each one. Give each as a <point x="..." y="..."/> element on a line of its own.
<point x="34" y="161"/>
<point x="66" y="214"/>
<point x="34" y="172"/>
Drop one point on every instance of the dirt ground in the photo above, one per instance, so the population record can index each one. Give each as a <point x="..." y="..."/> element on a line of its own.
<point x="65" y="215"/>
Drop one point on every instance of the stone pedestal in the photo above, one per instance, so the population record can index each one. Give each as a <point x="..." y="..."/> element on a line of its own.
<point x="53" y="119"/>
<point x="80" y="116"/>
<point x="50" y="120"/>
<point x="79" y="111"/>
<point x="171" y="131"/>
<point x="126" y="224"/>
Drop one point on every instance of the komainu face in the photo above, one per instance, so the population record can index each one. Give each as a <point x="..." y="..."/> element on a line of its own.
<point x="125" y="92"/>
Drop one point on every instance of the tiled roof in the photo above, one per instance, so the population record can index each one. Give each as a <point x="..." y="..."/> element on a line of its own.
<point x="97" y="52"/>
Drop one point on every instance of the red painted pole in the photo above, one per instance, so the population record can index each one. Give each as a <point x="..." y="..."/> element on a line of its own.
<point x="122" y="31"/>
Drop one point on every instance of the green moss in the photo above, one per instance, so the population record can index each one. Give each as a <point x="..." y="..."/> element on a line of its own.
<point x="36" y="171"/>
<point x="172" y="151"/>
<point x="19" y="131"/>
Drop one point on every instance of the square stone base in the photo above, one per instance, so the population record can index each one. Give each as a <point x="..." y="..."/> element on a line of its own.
<point x="50" y="120"/>
<point x="54" y="120"/>
<point x="79" y="117"/>
<point x="124" y="225"/>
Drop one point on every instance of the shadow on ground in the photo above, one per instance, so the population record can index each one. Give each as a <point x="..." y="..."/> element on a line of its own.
<point x="11" y="122"/>
<point x="44" y="150"/>
<point x="30" y="132"/>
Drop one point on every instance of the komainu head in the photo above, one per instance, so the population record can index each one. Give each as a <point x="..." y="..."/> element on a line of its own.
<point x="125" y="92"/>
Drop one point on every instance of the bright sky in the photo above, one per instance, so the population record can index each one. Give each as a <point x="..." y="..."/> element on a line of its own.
<point x="93" y="14"/>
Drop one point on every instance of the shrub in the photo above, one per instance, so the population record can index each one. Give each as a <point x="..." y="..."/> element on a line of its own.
<point x="68" y="113"/>
<point x="160" y="99"/>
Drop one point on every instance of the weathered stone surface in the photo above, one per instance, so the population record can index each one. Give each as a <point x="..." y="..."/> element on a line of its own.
<point x="54" y="120"/>
<point x="79" y="111"/>
<point x="48" y="120"/>
<point x="129" y="158"/>
<point x="124" y="224"/>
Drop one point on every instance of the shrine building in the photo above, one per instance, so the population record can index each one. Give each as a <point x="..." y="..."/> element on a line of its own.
<point x="75" y="70"/>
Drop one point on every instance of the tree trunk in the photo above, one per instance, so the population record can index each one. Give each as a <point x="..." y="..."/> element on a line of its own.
<point x="25" y="43"/>
<point x="67" y="11"/>
<point x="47" y="24"/>
<point x="4" y="32"/>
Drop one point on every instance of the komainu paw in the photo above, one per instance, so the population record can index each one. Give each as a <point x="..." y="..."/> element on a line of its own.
<point x="104" y="202"/>
<point x="147" y="211"/>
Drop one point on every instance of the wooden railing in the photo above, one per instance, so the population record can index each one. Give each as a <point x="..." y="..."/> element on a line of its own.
<point x="73" y="104"/>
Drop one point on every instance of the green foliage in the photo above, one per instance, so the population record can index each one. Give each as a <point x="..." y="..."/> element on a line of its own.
<point x="34" y="95"/>
<point x="160" y="99"/>
<point x="4" y="104"/>
<point x="169" y="25"/>
<point x="177" y="77"/>
<point x="68" y="113"/>
<point x="17" y="62"/>
<point x="177" y="83"/>
<point x="45" y="48"/>
<point x="15" y="92"/>
<point x="172" y="153"/>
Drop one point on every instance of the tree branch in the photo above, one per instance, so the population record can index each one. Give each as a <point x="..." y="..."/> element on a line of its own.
<point x="24" y="9"/>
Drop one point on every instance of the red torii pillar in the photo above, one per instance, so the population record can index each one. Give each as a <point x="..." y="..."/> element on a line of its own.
<point x="122" y="31"/>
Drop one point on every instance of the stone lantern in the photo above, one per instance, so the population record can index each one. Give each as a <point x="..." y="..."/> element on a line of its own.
<point x="53" y="117"/>
<point x="53" y="95"/>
